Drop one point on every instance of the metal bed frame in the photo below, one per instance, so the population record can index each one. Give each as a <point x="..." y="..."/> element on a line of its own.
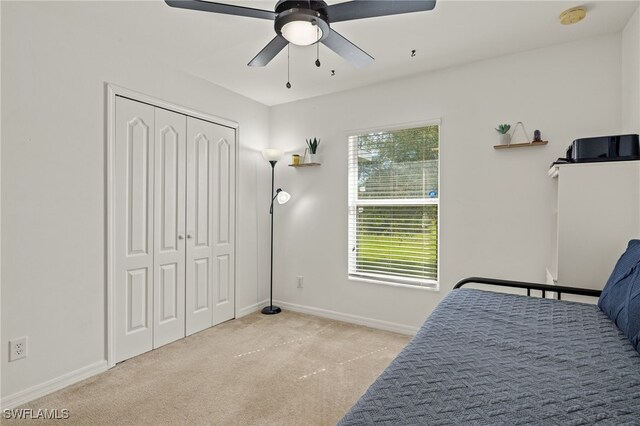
<point x="531" y="286"/>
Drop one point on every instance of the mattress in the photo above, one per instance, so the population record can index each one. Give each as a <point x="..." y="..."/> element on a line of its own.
<point x="494" y="358"/>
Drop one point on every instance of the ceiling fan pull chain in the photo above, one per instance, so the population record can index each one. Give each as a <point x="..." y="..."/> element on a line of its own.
<point x="318" y="47"/>
<point x="288" y="66"/>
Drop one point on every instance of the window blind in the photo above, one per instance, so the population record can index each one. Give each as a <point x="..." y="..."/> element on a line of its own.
<point x="393" y="205"/>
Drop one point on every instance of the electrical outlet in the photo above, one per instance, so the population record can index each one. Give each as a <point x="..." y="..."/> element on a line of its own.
<point x="300" y="281"/>
<point x="17" y="348"/>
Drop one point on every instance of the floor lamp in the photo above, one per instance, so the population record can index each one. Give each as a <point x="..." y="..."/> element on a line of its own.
<point x="272" y="156"/>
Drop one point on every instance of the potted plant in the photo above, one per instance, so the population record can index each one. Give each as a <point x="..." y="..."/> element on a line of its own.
<point x="313" y="149"/>
<point x="505" y="137"/>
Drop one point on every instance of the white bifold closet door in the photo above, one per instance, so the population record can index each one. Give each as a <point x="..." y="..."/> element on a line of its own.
<point x="169" y="227"/>
<point x="133" y="182"/>
<point x="174" y="226"/>
<point x="210" y="201"/>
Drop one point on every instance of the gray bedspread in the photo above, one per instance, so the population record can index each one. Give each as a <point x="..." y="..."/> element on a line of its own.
<point x="494" y="358"/>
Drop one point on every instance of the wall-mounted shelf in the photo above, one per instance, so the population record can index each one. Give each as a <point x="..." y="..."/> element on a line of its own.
<point x="520" y="145"/>
<point x="304" y="165"/>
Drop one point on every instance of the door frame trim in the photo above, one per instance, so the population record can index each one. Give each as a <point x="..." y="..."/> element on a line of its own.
<point x="114" y="91"/>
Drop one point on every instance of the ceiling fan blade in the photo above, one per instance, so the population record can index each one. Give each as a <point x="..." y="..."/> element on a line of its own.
<point x="349" y="51"/>
<point x="228" y="9"/>
<point x="269" y="52"/>
<point x="358" y="9"/>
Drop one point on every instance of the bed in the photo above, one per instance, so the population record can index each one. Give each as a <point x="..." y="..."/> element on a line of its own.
<point x="484" y="357"/>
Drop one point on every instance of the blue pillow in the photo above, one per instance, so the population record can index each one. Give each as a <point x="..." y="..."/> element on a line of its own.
<point x="620" y="298"/>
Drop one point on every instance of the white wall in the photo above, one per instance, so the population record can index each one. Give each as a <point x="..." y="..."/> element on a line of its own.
<point x="631" y="75"/>
<point x="56" y="59"/>
<point x="496" y="205"/>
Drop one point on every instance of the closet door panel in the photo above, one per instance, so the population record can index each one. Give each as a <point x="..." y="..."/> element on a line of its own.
<point x="199" y="274"/>
<point x="169" y="227"/>
<point x="201" y="285"/>
<point x="224" y="229"/>
<point x="210" y="223"/>
<point x="202" y="181"/>
<point x="133" y="207"/>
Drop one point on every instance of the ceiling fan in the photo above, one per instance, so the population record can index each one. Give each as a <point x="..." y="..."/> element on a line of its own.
<point x="306" y="22"/>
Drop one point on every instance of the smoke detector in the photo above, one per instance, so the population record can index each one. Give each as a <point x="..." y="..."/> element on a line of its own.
<point x="573" y="15"/>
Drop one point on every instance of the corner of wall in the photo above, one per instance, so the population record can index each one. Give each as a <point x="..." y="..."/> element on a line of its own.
<point x="630" y="74"/>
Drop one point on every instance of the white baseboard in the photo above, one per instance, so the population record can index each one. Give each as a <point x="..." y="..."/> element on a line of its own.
<point x="251" y="308"/>
<point x="52" y="385"/>
<point x="353" y="319"/>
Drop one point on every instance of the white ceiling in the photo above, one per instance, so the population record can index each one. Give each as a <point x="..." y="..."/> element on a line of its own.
<point x="217" y="47"/>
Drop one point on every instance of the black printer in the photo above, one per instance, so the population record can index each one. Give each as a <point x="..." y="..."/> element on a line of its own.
<point x="604" y="148"/>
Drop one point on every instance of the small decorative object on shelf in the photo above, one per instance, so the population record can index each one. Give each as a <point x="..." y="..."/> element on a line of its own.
<point x="505" y="137"/>
<point x="531" y="142"/>
<point x="295" y="159"/>
<point x="313" y="149"/>
<point x="536" y="136"/>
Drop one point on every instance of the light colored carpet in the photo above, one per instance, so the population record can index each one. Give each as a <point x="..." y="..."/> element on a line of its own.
<point x="288" y="369"/>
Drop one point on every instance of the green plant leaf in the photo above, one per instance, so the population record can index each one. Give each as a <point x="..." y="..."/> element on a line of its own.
<point x="313" y="144"/>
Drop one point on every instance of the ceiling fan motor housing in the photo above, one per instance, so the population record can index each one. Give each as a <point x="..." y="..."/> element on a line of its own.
<point x="306" y="11"/>
<point x="319" y="6"/>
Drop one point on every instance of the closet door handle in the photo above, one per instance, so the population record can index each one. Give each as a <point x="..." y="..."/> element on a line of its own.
<point x="188" y="236"/>
<point x="181" y="237"/>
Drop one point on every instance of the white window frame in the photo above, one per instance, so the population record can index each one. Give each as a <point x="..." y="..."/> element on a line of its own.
<point x="353" y="203"/>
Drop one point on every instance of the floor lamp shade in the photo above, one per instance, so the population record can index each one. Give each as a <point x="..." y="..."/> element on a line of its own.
<point x="283" y="196"/>
<point x="272" y="154"/>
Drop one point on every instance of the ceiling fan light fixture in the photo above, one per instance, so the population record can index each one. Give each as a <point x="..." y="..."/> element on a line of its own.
<point x="301" y="33"/>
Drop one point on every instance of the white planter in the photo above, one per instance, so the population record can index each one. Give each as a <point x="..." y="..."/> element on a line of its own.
<point x="505" y="139"/>
<point x="313" y="158"/>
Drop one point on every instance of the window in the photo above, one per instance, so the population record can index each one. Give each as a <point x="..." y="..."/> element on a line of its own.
<point x="393" y="205"/>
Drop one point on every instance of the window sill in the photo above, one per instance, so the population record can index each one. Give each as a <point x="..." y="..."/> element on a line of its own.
<point x="392" y="284"/>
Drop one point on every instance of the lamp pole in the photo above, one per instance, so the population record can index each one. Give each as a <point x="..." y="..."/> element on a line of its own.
<point x="271" y="310"/>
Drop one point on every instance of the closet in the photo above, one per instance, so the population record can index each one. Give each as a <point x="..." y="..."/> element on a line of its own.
<point x="174" y="226"/>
